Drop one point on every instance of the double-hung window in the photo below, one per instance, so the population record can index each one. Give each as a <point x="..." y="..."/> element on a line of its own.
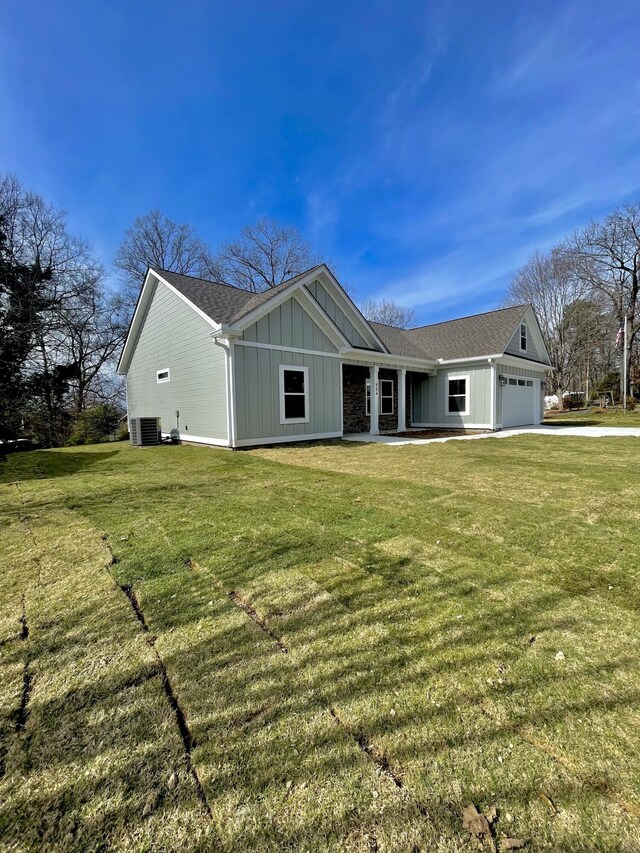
<point x="523" y="337"/>
<point x="386" y="397"/>
<point x="458" y="395"/>
<point x="294" y="395"/>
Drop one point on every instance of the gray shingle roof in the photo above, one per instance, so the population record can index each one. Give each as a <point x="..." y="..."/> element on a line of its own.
<point x="480" y="334"/>
<point x="223" y="303"/>
<point x="467" y="337"/>
<point x="398" y="341"/>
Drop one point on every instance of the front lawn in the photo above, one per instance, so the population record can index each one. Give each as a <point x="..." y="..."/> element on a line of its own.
<point x="593" y="417"/>
<point x="321" y="647"/>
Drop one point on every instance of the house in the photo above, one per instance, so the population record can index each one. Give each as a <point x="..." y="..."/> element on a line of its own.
<point x="223" y="366"/>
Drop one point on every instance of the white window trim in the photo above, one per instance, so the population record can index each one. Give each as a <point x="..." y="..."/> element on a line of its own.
<point x="166" y="370"/>
<point x="526" y="337"/>
<point x="467" y="395"/>
<point x="386" y="397"/>
<point x="367" y="398"/>
<point x="305" y="370"/>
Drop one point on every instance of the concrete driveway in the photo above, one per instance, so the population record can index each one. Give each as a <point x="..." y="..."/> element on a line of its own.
<point x="580" y="431"/>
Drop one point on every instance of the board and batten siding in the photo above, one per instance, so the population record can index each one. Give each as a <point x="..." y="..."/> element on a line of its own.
<point x="289" y="325"/>
<point x="330" y="307"/>
<point x="257" y="393"/>
<point x="429" y="397"/>
<point x="173" y="336"/>
<point x="513" y="347"/>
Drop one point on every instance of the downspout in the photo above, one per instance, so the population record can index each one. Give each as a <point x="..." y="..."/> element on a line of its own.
<point x="226" y="345"/>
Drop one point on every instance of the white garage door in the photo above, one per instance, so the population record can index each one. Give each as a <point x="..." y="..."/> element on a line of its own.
<point x="519" y="403"/>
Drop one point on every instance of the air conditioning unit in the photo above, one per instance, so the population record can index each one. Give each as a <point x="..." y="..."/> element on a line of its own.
<point x="144" y="432"/>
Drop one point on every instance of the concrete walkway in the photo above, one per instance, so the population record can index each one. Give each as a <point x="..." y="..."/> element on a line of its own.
<point x="580" y="431"/>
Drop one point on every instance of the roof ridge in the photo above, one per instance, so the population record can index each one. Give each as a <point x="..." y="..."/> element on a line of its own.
<point x="235" y="286"/>
<point x="467" y="317"/>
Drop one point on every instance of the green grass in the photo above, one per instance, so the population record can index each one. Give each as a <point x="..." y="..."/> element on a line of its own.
<point x="590" y="417"/>
<point x="422" y="594"/>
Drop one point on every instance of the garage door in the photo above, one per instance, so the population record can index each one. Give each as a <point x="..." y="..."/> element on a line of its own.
<point x="519" y="404"/>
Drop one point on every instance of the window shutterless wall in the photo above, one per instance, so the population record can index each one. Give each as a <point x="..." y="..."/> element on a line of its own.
<point x="257" y="393"/>
<point x="430" y="396"/>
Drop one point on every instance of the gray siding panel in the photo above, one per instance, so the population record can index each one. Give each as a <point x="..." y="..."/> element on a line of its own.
<point x="173" y="336"/>
<point x="256" y="380"/>
<point x="429" y="397"/>
<point x="289" y="325"/>
<point x="338" y="316"/>
<point x="513" y="347"/>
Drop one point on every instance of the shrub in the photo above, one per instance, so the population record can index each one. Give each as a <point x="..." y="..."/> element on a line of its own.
<point x="631" y="403"/>
<point x="95" y="424"/>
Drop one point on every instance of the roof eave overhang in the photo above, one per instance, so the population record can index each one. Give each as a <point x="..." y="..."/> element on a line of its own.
<point x="523" y="361"/>
<point x="375" y="357"/>
<point x="442" y="362"/>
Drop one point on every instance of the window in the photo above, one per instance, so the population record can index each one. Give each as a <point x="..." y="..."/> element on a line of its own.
<point x="523" y="337"/>
<point x="529" y="383"/>
<point x="386" y="397"/>
<point x="513" y="382"/>
<point x="457" y="398"/>
<point x="294" y="395"/>
<point x="163" y="375"/>
<point x="522" y="383"/>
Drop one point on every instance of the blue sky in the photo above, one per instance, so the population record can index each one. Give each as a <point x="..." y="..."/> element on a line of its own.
<point x="426" y="149"/>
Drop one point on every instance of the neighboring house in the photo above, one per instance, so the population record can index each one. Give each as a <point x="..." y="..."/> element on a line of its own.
<point x="223" y="366"/>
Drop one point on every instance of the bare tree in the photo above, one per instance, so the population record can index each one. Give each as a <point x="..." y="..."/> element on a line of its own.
<point x="59" y="329"/>
<point x="154" y="240"/>
<point x="266" y="255"/>
<point x="387" y="312"/>
<point x="607" y="259"/>
<point x="546" y="281"/>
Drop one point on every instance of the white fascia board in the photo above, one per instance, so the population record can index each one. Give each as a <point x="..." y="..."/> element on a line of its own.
<point x="188" y="302"/>
<point x="309" y="304"/>
<point x="152" y="278"/>
<point x="387" y="358"/>
<point x="534" y="325"/>
<point x="349" y="305"/>
<point x="135" y="325"/>
<point x="306" y="302"/>
<point x="271" y="303"/>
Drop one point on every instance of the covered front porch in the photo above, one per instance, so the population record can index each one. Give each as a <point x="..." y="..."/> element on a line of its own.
<point x="376" y="398"/>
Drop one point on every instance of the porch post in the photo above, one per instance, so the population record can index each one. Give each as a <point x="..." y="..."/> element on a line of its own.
<point x="373" y="378"/>
<point x="402" y="401"/>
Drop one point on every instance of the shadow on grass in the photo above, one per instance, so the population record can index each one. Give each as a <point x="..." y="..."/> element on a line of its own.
<point x="43" y="464"/>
